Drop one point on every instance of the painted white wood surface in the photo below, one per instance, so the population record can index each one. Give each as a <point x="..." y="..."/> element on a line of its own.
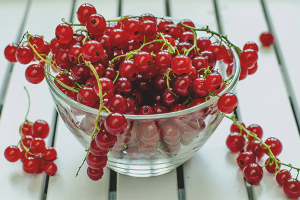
<point x="160" y="187"/>
<point x="10" y="32"/>
<point x="262" y="97"/>
<point x="71" y="153"/>
<point x="211" y="172"/>
<point x="16" y="184"/>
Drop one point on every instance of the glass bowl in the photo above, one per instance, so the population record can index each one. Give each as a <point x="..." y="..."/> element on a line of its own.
<point x="174" y="137"/>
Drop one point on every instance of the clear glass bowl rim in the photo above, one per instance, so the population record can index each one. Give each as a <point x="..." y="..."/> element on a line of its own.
<point x="230" y="87"/>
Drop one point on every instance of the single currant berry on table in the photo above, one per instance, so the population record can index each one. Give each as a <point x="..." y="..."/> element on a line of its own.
<point x="24" y="55"/>
<point x="10" y="52"/>
<point x="50" y="168"/>
<point x="94" y="174"/>
<point x="40" y="129"/>
<point x="235" y="142"/>
<point x="64" y="33"/>
<point x="84" y="11"/>
<point x="266" y="39"/>
<point x="92" y="51"/>
<point x="275" y="145"/>
<point x="245" y="158"/>
<point x="227" y="103"/>
<point x="12" y="153"/>
<point x="291" y="188"/>
<point x="31" y="165"/>
<point x="282" y="176"/>
<point x="253" y="173"/>
<point x="96" y="24"/>
<point x="115" y="123"/>
<point x="271" y="166"/>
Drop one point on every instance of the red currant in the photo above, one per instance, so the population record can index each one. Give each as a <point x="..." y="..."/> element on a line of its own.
<point x="271" y="168"/>
<point x="12" y="153"/>
<point x="64" y="33"/>
<point x="10" y="52"/>
<point x="50" y="154"/>
<point x="92" y="51"/>
<point x="115" y="123"/>
<point x="40" y="129"/>
<point x="96" y="162"/>
<point x="291" y="188"/>
<point x="50" y="168"/>
<point x="227" y="103"/>
<point x="24" y="55"/>
<point x="251" y="45"/>
<point x="181" y="64"/>
<point x="282" y="176"/>
<point x="253" y="173"/>
<point x="96" y="24"/>
<point x="275" y="145"/>
<point x="87" y="96"/>
<point x="34" y="74"/>
<point x="31" y="165"/>
<point x="94" y="174"/>
<point x="266" y="39"/>
<point x="235" y="142"/>
<point x="245" y="158"/>
<point x="84" y="12"/>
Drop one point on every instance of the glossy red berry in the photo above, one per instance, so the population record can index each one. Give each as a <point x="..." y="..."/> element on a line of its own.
<point x="115" y="123"/>
<point x="94" y="174"/>
<point x="10" y="52"/>
<point x="95" y="150"/>
<point x="200" y="62"/>
<point x="235" y="142"/>
<point x="143" y="61"/>
<point x="107" y="86"/>
<point x="117" y="103"/>
<point x="266" y="39"/>
<point x="96" y="24"/>
<point x="128" y="70"/>
<point x="182" y="85"/>
<point x="227" y="103"/>
<point x="210" y="57"/>
<point x="252" y="70"/>
<point x="118" y="39"/>
<point x="104" y="140"/>
<point x="255" y="147"/>
<point x="131" y="27"/>
<point x="163" y="60"/>
<point x="80" y="73"/>
<point x="96" y="162"/>
<point x="251" y="45"/>
<point x="185" y="22"/>
<point x="234" y="128"/>
<point x="291" y="188"/>
<point x="253" y="173"/>
<point x="74" y="53"/>
<point x="203" y="43"/>
<point x="272" y="168"/>
<point x="12" y="153"/>
<point x="199" y="87"/>
<point x="37" y="42"/>
<point x="92" y="51"/>
<point x="243" y="74"/>
<point x="27" y="128"/>
<point x="282" y="176"/>
<point x="24" y="55"/>
<point x="84" y="11"/>
<point x="62" y="59"/>
<point x="64" y="33"/>
<point x="248" y="58"/>
<point x="146" y="110"/>
<point x="34" y="74"/>
<point x="55" y="45"/>
<point x="168" y="98"/>
<point x="181" y="64"/>
<point x="245" y="158"/>
<point x="254" y="128"/>
<point x="50" y="168"/>
<point x="275" y="145"/>
<point x="87" y="96"/>
<point x="172" y="30"/>
<point x="26" y="141"/>
<point x="37" y="145"/>
<point x="214" y="81"/>
<point x="163" y="23"/>
<point x="40" y="129"/>
<point x="148" y="29"/>
<point x="31" y="165"/>
<point x="124" y="87"/>
<point x="50" y="154"/>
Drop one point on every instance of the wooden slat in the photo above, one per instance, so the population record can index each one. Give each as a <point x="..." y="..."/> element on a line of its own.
<point x="262" y="97"/>
<point x="15" y="183"/>
<point x="164" y="186"/>
<point x="211" y="172"/>
<point x="13" y="26"/>
<point x="70" y="152"/>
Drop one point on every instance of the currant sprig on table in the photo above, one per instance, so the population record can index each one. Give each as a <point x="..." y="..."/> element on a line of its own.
<point x="34" y="154"/>
<point x="256" y="148"/>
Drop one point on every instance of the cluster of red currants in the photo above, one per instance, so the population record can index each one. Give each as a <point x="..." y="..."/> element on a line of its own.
<point x="34" y="154"/>
<point x="256" y="148"/>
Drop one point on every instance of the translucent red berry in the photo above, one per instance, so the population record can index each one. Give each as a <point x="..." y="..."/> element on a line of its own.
<point x="266" y="39"/>
<point x="10" y="52"/>
<point x="34" y="74"/>
<point x="64" y="33"/>
<point x="227" y="103"/>
<point x="253" y="173"/>
<point x="12" y="153"/>
<point x="235" y="142"/>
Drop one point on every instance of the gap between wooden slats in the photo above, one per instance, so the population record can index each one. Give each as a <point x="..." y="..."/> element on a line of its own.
<point x="257" y="96"/>
<point x="211" y="168"/>
<point x="163" y="186"/>
<point x="70" y="152"/>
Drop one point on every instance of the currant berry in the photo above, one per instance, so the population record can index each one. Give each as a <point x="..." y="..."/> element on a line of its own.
<point x="55" y="46"/>
<point x="95" y="150"/>
<point x="143" y="61"/>
<point x="168" y="98"/>
<point x="148" y="29"/>
<point x="253" y="173"/>
<point x="256" y="148"/>
<point x="163" y="60"/>
<point x="80" y="73"/>
<point x="235" y="142"/>
<point x="248" y="58"/>
<point x="96" y="24"/>
<point x="252" y="70"/>
<point x="243" y="74"/>
<point x="118" y="39"/>
<point x="266" y="39"/>
<point x="36" y="41"/>
<point x="275" y="145"/>
<point x="27" y="128"/>
<point x="115" y="123"/>
<point x="40" y="129"/>
<point x="200" y="62"/>
<point x="37" y="145"/>
<point x="282" y="176"/>
<point x="170" y="133"/>
<point x="65" y="80"/>
<point x="185" y="22"/>
<point x="227" y="103"/>
<point x="12" y="153"/>
<point x="182" y="85"/>
<point x="24" y="55"/>
<point x="214" y="81"/>
<point x="96" y="162"/>
<point x="104" y="140"/>
<point x="291" y="188"/>
<point x="251" y="45"/>
<point x="272" y="168"/>
<point x="149" y="132"/>
<point x="210" y="57"/>
<point x="87" y="96"/>
<point x="128" y="70"/>
<point x="203" y="43"/>
<point x="254" y="128"/>
<point x="74" y="53"/>
<point x="92" y="51"/>
<point x="181" y="64"/>
<point x="31" y="165"/>
<point x="131" y="27"/>
<point x="245" y="158"/>
<point x="34" y="74"/>
<point x="64" y="33"/>
<point x="146" y="110"/>
<point x="107" y="86"/>
<point x="172" y="29"/>
<point x="163" y="23"/>
<point x="26" y="140"/>
<point x="94" y="174"/>
<point x="235" y="128"/>
<point x="50" y="168"/>
<point x="123" y="87"/>
<point x="49" y="154"/>
<point x="10" y="52"/>
<point x="199" y="87"/>
<point x="117" y="103"/>
<point x="62" y="59"/>
<point x="84" y="12"/>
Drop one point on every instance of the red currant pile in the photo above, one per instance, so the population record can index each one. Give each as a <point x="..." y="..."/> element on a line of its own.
<point x="138" y="65"/>
<point x="255" y="149"/>
<point x="32" y="150"/>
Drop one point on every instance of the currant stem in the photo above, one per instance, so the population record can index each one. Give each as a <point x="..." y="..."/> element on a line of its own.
<point x="62" y="84"/>
<point x="168" y="77"/>
<point x="230" y="44"/>
<point x="107" y="110"/>
<point x="194" y="45"/>
<point x="116" y="77"/>
<point x="71" y="23"/>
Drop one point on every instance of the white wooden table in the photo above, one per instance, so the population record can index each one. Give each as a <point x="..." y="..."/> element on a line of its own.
<point x="270" y="98"/>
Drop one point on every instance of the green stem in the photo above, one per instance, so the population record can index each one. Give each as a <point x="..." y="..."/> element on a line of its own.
<point x="116" y="77"/>
<point x="71" y="24"/>
<point x="194" y="45"/>
<point x="230" y="44"/>
<point x="62" y="84"/>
